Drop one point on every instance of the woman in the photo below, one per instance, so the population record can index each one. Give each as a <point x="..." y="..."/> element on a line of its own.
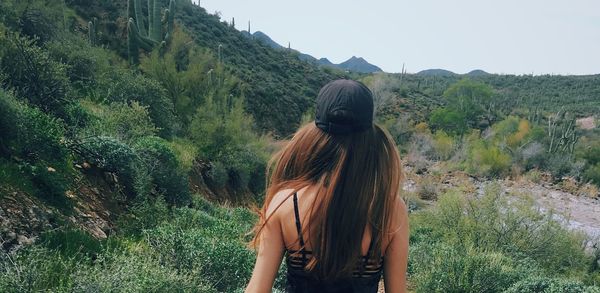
<point x="332" y="205"/>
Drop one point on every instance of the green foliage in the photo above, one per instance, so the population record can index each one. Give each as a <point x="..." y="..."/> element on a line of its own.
<point x="549" y="285"/>
<point x="33" y="75"/>
<point x="126" y="86"/>
<point x="472" y="100"/>
<point x="448" y="120"/>
<point x="115" y="156"/>
<point x="456" y="269"/>
<point x="512" y="226"/>
<point x="592" y="174"/>
<point x="36" y="141"/>
<point x="443" y="145"/>
<point x="84" y="64"/>
<point x="124" y="121"/>
<point x="274" y="79"/>
<point x="40" y="20"/>
<point x="223" y="133"/>
<point x="164" y="170"/>
<point x="488" y="160"/>
<point x="134" y="270"/>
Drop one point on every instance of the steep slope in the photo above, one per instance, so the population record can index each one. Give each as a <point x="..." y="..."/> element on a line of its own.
<point x="280" y="87"/>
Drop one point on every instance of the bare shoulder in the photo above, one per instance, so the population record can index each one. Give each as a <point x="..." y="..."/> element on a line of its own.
<point x="399" y="217"/>
<point x="279" y="202"/>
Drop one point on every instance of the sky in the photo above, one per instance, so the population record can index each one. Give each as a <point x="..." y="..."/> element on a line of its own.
<point x="502" y="36"/>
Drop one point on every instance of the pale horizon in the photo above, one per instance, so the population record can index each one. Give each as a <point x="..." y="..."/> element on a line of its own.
<point x="508" y="37"/>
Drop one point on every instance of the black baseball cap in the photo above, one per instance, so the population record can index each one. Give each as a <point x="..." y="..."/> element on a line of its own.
<point x="344" y="106"/>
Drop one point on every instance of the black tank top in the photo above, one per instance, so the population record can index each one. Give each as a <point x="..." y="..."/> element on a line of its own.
<point x="364" y="279"/>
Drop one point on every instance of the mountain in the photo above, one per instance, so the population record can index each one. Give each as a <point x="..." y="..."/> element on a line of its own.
<point x="260" y="36"/>
<point x="354" y="64"/>
<point x="436" y="72"/>
<point x="477" y="72"/>
<point x="359" y="64"/>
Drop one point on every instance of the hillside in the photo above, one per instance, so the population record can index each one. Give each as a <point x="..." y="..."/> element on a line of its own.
<point x="278" y="79"/>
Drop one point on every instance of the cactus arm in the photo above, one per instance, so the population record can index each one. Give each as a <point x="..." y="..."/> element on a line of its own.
<point x="92" y="33"/>
<point x="139" y="18"/>
<point x="155" y="23"/>
<point x="132" y="44"/>
<point x="150" y="18"/>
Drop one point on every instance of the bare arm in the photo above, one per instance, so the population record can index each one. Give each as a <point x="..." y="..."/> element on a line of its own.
<point x="270" y="253"/>
<point x="396" y="255"/>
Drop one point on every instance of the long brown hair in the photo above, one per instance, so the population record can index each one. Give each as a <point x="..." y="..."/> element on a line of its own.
<point x="357" y="178"/>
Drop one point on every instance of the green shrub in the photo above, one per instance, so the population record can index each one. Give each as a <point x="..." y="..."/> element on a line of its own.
<point x="217" y="174"/>
<point x="136" y="272"/>
<point x="83" y="62"/>
<point x="488" y="160"/>
<point x="36" y="269"/>
<point x="549" y="285"/>
<point x="513" y="227"/>
<point x="36" y="141"/>
<point x="456" y="269"/>
<point x="448" y="120"/>
<point x="592" y="174"/>
<point x="167" y="177"/>
<point x="443" y="145"/>
<point x="33" y="75"/>
<point x="112" y="155"/>
<point x="124" y="121"/>
<point x="211" y="247"/>
<point x="71" y="242"/>
<point x="560" y="165"/>
<point x="125" y="86"/>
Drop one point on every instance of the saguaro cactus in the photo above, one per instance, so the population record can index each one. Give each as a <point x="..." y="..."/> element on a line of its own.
<point x="92" y="32"/>
<point x="147" y="39"/>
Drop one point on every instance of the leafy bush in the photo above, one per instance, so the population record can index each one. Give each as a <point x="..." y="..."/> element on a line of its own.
<point x="83" y="62"/>
<point x="136" y="272"/>
<point x="125" y="86"/>
<point x="35" y="269"/>
<point x="115" y="156"/>
<point x="167" y="177"/>
<point x="212" y="237"/>
<point x="29" y="134"/>
<point x="33" y="75"/>
<point x="217" y="174"/>
<point x="487" y="160"/>
<point x="592" y="174"/>
<point x="125" y="121"/>
<point x="549" y="285"/>
<point x="513" y="227"/>
<point x="456" y="269"/>
<point x="443" y="145"/>
<point x="448" y="120"/>
<point x="36" y="141"/>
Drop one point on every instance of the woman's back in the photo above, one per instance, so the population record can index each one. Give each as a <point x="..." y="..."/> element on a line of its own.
<point x="332" y="204"/>
<point x="296" y="216"/>
<point x="306" y="199"/>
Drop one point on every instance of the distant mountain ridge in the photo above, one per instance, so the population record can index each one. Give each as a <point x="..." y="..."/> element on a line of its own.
<point x="444" y="72"/>
<point x="355" y="64"/>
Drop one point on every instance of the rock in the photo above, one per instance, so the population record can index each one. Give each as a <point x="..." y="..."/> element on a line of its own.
<point x="23" y="240"/>
<point x="50" y="169"/>
<point x="11" y="235"/>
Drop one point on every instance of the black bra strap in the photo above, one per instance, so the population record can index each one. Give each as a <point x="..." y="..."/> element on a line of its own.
<point x="368" y="256"/>
<point x="299" y="228"/>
